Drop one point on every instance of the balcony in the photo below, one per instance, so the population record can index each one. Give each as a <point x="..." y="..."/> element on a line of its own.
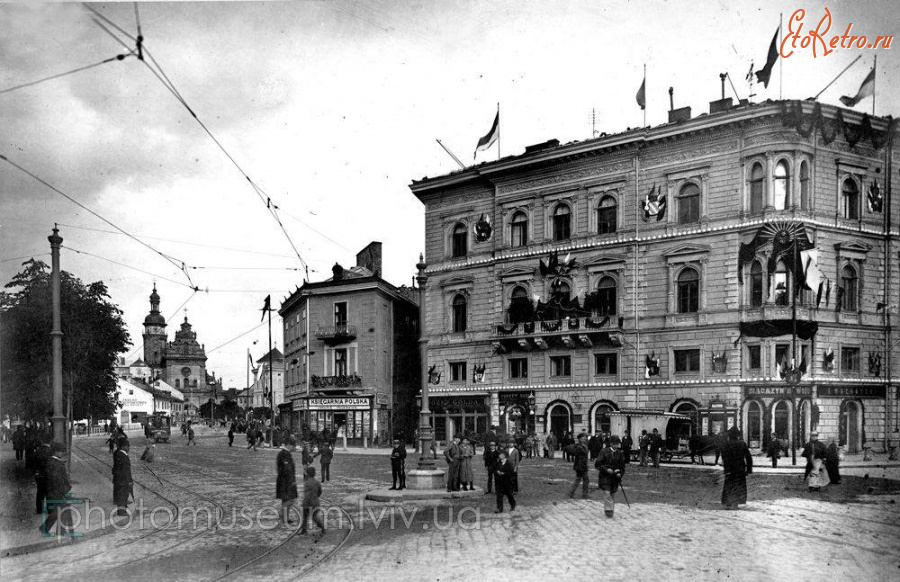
<point x="572" y="333"/>
<point x="336" y="334"/>
<point x="351" y="381"/>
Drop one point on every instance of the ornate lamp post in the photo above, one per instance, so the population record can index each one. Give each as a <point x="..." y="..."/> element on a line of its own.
<point x="426" y="460"/>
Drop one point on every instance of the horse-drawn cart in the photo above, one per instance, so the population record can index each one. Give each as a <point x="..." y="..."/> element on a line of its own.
<point x="675" y="429"/>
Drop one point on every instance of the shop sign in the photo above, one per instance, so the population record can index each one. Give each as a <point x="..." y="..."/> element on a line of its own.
<point x="298" y="405"/>
<point x="507" y="398"/>
<point x="130" y="403"/>
<point x="775" y="391"/>
<point x="852" y="391"/>
<point x="339" y="403"/>
<point x="454" y="403"/>
<point x="381" y="399"/>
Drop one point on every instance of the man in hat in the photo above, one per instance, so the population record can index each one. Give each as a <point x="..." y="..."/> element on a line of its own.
<point x="513" y="459"/>
<point x="286" y="481"/>
<point x="657" y="444"/>
<point x="815" y="454"/>
<point x="491" y="454"/>
<point x="737" y="463"/>
<point x="122" y="482"/>
<point x="398" y="465"/>
<point x="39" y="459"/>
<point x="627" y="444"/>
<point x="774" y="450"/>
<point x="611" y="465"/>
<point x="452" y="456"/>
<point x="58" y="486"/>
<point x="579" y="452"/>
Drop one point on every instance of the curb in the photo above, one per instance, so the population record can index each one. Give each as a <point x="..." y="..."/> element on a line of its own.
<point x="57" y="542"/>
<point x="387" y="495"/>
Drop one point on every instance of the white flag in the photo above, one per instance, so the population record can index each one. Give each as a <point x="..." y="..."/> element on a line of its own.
<point x="811" y="272"/>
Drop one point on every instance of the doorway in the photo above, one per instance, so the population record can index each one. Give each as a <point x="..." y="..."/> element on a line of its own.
<point x="781" y="422"/>
<point x="852" y="420"/>
<point x="559" y="420"/>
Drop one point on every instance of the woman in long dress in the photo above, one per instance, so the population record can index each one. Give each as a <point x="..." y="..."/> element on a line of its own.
<point x="466" y="476"/>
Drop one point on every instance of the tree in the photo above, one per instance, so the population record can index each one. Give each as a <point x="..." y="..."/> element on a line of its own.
<point x="94" y="334"/>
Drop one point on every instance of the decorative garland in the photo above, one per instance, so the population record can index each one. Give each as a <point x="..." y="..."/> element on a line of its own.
<point x="792" y="116"/>
<point x="507" y="329"/>
<point x="551" y="325"/>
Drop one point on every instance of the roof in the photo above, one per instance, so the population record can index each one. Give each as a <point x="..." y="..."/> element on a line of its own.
<point x="549" y="151"/>
<point x="331" y="286"/>
<point x="276" y="355"/>
<point x="138" y="362"/>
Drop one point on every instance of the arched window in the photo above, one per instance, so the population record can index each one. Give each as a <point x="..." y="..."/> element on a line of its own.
<point x="458" y="313"/>
<point x="563" y="292"/>
<point x="804" y="186"/>
<point x="755" y="423"/>
<point x="756" y="285"/>
<point x="850" y="283"/>
<point x="518" y="229"/>
<point x="606" y="296"/>
<point x="177" y="383"/>
<point x="782" y="188"/>
<point x="850" y="199"/>
<point x="781" y="420"/>
<point x="780" y="285"/>
<point x="688" y="291"/>
<point x="520" y="309"/>
<point x="689" y="203"/>
<point x="606" y="215"/>
<point x="562" y="223"/>
<point x="686" y="430"/>
<point x="601" y="417"/>
<point x="757" y="184"/>
<point x="460" y="240"/>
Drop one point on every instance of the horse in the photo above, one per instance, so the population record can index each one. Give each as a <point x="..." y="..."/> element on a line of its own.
<point x="704" y="444"/>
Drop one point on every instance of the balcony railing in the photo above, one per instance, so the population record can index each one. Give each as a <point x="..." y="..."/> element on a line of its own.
<point x="351" y="381"/>
<point x="572" y="332"/>
<point x="336" y="333"/>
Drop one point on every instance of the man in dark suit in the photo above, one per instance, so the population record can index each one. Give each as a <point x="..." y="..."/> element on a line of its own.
<point x="58" y="486"/>
<point x="491" y="455"/>
<point x="452" y="456"/>
<point x="122" y="482"/>
<point x="398" y="465"/>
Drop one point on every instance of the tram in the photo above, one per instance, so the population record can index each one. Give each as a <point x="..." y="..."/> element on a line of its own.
<point x="159" y="427"/>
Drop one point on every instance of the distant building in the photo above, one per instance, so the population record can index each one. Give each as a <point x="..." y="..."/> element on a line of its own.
<point x="259" y="390"/>
<point x="138" y="400"/>
<point x="351" y="353"/>
<point x="180" y="363"/>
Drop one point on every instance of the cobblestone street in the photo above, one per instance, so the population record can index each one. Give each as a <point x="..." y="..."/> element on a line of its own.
<point x="675" y="527"/>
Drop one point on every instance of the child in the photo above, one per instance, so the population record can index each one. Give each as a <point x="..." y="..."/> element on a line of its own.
<point x="503" y="481"/>
<point x="312" y="489"/>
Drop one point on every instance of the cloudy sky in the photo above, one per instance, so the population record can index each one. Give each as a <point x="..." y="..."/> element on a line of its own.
<point x="332" y="108"/>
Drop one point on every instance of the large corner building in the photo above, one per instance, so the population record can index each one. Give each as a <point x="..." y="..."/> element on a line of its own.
<point x="653" y="270"/>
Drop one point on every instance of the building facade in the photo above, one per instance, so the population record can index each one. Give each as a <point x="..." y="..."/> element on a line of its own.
<point x="654" y="270"/>
<point x="351" y="360"/>
<point x="259" y="390"/>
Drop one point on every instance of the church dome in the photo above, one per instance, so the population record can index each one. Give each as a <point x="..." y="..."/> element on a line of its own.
<point x="154" y="318"/>
<point x="154" y="297"/>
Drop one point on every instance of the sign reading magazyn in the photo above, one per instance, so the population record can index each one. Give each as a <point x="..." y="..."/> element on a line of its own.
<point x="349" y="403"/>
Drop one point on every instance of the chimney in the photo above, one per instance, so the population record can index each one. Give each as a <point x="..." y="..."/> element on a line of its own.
<point x="370" y="258"/>
<point x="338" y="272"/>
<point x="720" y="105"/>
<point x="680" y="114"/>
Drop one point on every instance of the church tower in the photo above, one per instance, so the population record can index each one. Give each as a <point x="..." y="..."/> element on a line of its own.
<point x="154" y="334"/>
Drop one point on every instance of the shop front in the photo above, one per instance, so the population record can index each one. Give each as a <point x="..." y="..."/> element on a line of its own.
<point x="516" y="412"/>
<point x="349" y="416"/>
<point x="463" y="415"/>
<point x="844" y="411"/>
<point x="780" y="409"/>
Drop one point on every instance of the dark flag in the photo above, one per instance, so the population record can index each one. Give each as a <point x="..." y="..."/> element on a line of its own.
<point x="641" y="95"/>
<point x="839" y="302"/>
<point x="267" y="306"/>
<point x="490" y="137"/>
<point x="764" y="74"/>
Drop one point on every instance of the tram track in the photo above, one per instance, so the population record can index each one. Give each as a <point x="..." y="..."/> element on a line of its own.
<point x="212" y="527"/>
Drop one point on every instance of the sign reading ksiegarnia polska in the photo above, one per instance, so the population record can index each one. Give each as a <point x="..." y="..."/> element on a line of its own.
<point x="351" y="403"/>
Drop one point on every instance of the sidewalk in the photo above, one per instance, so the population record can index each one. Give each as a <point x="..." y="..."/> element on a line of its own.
<point x="20" y="525"/>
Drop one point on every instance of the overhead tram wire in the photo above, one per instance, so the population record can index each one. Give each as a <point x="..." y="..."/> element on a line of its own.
<point x="120" y="57"/>
<point x="166" y="82"/>
<point x="184" y="242"/>
<point x="254" y="328"/>
<point x="176" y="262"/>
<point x="80" y="252"/>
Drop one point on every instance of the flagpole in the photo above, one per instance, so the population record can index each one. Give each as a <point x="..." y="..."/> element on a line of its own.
<point x="838" y="77"/>
<point x="874" y="77"/>
<point x="498" y="130"/>
<point x="780" y="60"/>
<point x="645" y="94"/>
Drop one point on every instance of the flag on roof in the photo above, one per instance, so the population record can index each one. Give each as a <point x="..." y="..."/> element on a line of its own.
<point x="490" y="137"/>
<point x="763" y="75"/>
<point x="641" y="94"/>
<point x="867" y="89"/>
